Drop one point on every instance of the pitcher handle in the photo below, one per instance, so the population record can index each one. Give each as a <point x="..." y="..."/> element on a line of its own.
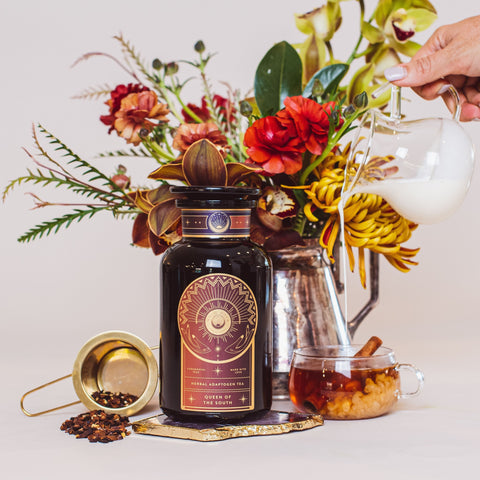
<point x="373" y="300"/>
<point x="456" y="98"/>
<point x="395" y="100"/>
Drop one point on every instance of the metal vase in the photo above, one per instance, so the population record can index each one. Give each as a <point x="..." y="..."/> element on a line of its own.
<point x="306" y="308"/>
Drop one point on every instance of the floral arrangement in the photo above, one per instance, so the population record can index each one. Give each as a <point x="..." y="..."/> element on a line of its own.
<point x="286" y="139"/>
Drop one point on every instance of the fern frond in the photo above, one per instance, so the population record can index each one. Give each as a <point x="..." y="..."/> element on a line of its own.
<point x="132" y="152"/>
<point x="93" y="93"/>
<point x="11" y="185"/>
<point x="74" y="159"/>
<point x="50" y="179"/>
<point x="53" y="226"/>
<point x="130" y="53"/>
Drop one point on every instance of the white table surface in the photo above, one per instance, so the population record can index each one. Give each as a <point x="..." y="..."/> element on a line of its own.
<point x="432" y="436"/>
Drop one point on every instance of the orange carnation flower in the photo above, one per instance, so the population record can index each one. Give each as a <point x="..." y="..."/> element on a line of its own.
<point x="189" y="133"/>
<point x="137" y="110"/>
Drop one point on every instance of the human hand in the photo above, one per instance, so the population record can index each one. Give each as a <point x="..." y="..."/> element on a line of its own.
<point x="451" y="56"/>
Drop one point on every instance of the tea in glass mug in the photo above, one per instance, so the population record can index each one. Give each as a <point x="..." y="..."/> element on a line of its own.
<point x="330" y="381"/>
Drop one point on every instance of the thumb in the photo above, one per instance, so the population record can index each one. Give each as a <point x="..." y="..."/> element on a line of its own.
<point x="421" y="70"/>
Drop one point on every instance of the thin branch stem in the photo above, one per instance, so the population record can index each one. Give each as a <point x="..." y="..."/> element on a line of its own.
<point x="352" y="56"/>
<point x="111" y="57"/>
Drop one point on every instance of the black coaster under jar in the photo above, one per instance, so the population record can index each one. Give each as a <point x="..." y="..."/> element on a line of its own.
<point x="216" y="312"/>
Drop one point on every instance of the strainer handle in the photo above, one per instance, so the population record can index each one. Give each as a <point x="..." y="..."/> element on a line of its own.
<point x="36" y="414"/>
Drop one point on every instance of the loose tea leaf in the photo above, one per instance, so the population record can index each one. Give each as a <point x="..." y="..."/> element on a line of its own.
<point x="97" y="426"/>
<point x="113" y="400"/>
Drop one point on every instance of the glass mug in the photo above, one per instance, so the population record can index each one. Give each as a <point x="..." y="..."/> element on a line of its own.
<point x="330" y="381"/>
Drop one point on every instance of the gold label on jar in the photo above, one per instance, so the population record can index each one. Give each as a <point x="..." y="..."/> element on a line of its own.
<point x="218" y="223"/>
<point x="217" y="319"/>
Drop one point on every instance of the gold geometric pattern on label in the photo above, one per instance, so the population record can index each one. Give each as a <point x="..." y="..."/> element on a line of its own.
<point x="217" y="317"/>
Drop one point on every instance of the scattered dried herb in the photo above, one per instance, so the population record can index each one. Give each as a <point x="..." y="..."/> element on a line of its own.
<point x="113" y="400"/>
<point x="97" y="426"/>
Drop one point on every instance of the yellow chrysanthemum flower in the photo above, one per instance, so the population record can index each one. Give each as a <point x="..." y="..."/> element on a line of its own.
<point x="370" y="222"/>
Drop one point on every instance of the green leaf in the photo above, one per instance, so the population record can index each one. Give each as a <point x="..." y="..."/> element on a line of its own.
<point x="329" y="76"/>
<point x="279" y="75"/>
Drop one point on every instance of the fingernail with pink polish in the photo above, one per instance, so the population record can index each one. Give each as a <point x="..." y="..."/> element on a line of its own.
<point x="395" y="73"/>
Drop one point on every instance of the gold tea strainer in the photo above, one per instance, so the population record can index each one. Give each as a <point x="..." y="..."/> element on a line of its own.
<point x="112" y="361"/>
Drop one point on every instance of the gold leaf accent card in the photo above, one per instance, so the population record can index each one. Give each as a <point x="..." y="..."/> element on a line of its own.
<point x="269" y="423"/>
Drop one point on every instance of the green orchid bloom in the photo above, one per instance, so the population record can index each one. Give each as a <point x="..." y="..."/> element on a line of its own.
<point x="399" y="20"/>
<point x="319" y="25"/>
<point x="382" y="58"/>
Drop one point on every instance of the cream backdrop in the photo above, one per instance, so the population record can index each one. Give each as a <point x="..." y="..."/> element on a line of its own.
<point x="59" y="291"/>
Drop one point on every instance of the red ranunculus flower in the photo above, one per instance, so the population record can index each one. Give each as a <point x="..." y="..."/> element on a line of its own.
<point x="115" y="101"/>
<point x="225" y="106"/>
<point x="200" y="112"/>
<point x="311" y="121"/>
<point x="277" y="148"/>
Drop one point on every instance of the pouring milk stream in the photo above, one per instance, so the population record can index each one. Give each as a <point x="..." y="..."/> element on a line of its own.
<point x="422" y="168"/>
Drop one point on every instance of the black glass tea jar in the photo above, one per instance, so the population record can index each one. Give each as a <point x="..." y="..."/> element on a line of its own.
<point x="216" y="312"/>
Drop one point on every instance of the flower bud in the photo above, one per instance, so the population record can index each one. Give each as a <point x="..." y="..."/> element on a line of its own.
<point x="143" y="133"/>
<point x="199" y="47"/>
<point x="171" y="68"/>
<point x="157" y="64"/>
<point x="317" y="88"/>
<point x="245" y="108"/>
<point x="360" y="101"/>
<point x="349" y="111"/>
<point x="334" y="117"/>
<point x="120" y="179"/>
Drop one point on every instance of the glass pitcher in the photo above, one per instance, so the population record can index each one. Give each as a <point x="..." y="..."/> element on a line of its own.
<point x="422" y="168"/>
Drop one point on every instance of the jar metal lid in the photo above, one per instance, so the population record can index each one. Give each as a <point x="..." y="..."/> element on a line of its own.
<point x="206" y="196"/>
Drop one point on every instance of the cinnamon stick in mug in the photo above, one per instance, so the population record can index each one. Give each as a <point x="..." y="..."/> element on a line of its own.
<point x="369" y="348"/>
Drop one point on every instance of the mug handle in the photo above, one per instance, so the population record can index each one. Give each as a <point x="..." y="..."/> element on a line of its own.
<point x="420" y="379"/>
